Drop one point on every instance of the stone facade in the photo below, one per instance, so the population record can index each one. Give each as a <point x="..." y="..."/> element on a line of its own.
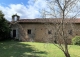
<point x="39" y="30"/>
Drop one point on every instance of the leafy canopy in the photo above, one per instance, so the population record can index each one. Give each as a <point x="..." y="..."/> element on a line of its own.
<point x="4" y="27"/>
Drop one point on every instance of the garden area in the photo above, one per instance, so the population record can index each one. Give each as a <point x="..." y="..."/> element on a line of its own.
<point x="34" y="49"/>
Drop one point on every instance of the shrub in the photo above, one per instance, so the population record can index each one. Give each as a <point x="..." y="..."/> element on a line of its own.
<point x="76" y="40"/>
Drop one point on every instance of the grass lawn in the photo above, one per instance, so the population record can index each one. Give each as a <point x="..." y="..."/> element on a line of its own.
<point x="33" y="49"/>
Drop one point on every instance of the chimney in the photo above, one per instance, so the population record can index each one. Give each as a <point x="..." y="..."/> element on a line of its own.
<point x="12" y="17"/>
<point x="18" y="17"/>
<point x="15" y="17"/>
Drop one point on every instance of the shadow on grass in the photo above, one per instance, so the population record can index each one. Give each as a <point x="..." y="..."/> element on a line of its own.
<point x="17" y="49"/>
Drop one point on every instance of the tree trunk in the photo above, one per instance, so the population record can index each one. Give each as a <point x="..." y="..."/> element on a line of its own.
<point x="67" y="54"/>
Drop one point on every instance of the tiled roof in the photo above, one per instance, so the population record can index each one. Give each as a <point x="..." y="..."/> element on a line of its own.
<point x="49" y="20"/>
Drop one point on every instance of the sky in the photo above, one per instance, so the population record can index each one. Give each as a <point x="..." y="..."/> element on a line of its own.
<point x="26" y="9"/>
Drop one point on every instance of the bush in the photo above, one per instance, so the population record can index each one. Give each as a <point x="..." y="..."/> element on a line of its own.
<point x="76" y="40"/>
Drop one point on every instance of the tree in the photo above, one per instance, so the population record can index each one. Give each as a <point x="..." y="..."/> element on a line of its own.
<point x="4" y="27"/>
<point x="62" y="9"/>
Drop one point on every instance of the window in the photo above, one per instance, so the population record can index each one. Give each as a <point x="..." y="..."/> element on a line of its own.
<point x="29" y="31"/>
<point x="49" y="32"/>
<point x="70" y="32"/>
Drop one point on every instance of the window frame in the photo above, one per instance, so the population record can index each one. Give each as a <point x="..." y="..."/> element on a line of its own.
<point x="49" y="31"/>
<point x="28" y="31"/>
<point x="70" y="32"/>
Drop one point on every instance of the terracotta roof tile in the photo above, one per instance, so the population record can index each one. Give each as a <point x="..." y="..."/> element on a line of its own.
<point x="38" y="20"/>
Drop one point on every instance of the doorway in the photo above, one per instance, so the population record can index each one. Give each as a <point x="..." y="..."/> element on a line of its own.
<point x="14" y="33"/>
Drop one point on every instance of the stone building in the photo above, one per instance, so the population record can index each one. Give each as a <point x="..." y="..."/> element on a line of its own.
<point x="42" y="30"/>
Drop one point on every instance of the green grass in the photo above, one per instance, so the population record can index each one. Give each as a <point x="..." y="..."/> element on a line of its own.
<point x="33" y="49"/>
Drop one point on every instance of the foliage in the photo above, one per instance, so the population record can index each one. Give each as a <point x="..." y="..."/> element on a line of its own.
<point x="76" y="40"/>
<point x="4" y="27"/>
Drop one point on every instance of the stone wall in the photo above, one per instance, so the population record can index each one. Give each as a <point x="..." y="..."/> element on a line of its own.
<point x="44" y="33"/>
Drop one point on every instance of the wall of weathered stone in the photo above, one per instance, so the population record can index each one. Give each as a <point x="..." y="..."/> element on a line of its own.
<point x="39" y="32"/>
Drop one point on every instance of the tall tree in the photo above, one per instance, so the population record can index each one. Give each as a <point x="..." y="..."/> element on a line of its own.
<point x="62" y="9"/>
<point x="4" y="27"/>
